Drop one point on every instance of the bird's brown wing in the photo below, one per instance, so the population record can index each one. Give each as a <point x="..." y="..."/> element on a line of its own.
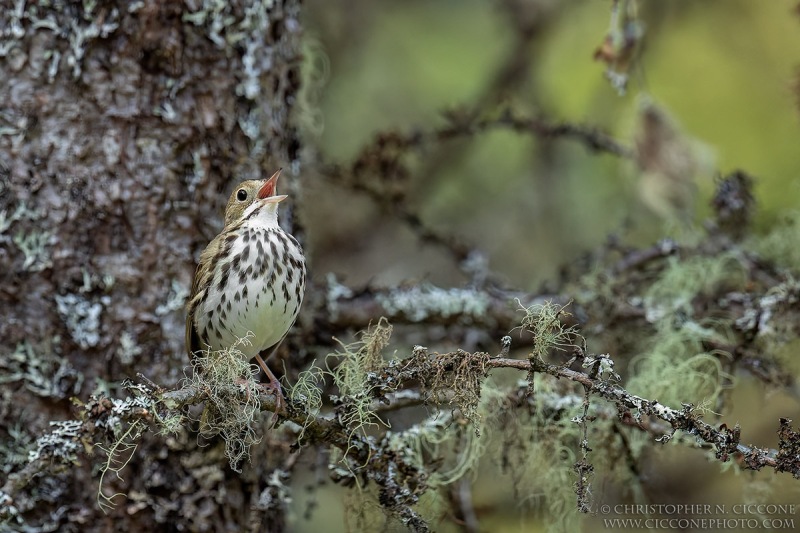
<point x="192" y="338"/>
<point x="202" y="280"/>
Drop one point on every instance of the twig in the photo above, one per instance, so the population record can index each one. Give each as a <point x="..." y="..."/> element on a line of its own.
<point x="383" y="159"/>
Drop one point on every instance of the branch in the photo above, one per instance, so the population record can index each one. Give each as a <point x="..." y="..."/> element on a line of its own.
<point x="725" y="440"/>
<point x="381" y="172"/>
<point x="496" y="310"/>
<point x="369" y="457"/>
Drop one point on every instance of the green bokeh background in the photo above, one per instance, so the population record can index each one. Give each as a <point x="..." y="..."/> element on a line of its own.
<point x="725" y="70"/>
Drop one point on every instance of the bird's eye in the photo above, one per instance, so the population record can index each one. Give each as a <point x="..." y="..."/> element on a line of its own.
<point x="241" y="195"/>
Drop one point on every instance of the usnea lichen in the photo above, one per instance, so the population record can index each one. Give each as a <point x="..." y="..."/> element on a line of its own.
<point x="454" y="378"/>
<point x="683" y="280"/>
<point x="232" y="403"/>
<point x="780" y="244"/>
<point x="674" y="367"/>
<point x="448" y="437"/>
<point x="118" y="455"/>
<point x="353" y="368"/>
<point x="545" y="322"/>
<point x="307" y="391"/>
<point x="128" y="349"/>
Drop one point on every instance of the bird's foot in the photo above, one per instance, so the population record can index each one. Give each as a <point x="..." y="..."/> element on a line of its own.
<point x="274" y="386"/>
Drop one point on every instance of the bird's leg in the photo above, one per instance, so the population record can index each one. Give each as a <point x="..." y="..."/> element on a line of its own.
<point x="275" y="385"/>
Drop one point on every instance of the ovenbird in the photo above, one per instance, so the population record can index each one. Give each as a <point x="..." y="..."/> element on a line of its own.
<point x="250" y="280"/>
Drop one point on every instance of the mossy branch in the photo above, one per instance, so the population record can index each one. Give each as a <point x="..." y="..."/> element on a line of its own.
<point x="372" y="457"/>
<point x="376" y="463"/>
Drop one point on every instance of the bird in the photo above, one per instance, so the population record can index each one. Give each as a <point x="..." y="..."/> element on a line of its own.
<point x="249" y="282"/>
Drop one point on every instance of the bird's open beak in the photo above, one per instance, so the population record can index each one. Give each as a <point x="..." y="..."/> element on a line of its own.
<point x="270" y="186"/>
<point x="274" y="199"/>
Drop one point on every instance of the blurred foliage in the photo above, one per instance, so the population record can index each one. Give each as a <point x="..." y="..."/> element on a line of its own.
<point x="722" y="72"/>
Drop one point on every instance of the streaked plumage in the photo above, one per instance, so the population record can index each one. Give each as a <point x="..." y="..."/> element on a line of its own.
<point x="250" y="279"/>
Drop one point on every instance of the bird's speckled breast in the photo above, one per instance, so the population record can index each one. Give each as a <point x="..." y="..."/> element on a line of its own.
<point x="256" y="293"/>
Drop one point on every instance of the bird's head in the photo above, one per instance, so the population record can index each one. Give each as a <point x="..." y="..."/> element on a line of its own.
<point x="248" y="193"/>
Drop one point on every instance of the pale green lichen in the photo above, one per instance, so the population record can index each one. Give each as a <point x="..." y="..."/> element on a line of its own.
<point x="121" y="409"/>
<point x="43" y="372"/>
<point x="13" y="454"/>
<point x="683" y="280"/>
<point x="454" y="378"/>
<point x="32" y="243"/>
<point x="307" y="391"/>
<point x="256" y="59"/>
<point x="363" y="512"/>
<point x="545" y="321"/>
<point x="215" y="16"/>
<point x="539" y="451"/>
<point x="335" y="291"/>
<point x="82" y="317"/>
<point x="92" y="281"/>
<point x="125" y="430"/>
<point x="5" y="219"/>
<point x="250" y="124"/>
<point x="62" y="443"/>
<point x="444" y="436"/>
<point x="674" y="366"/>
<point x="780" y="244"/>
<point x="176" y="299"/>
<point x="167" y="113"/>
<point x="418" y="303"/>
<point x="128" y="349"/>
<point x="198" y="174"/>
<point x="118" y="455"/>
<point x="34" y="247"/>
<point x="246" y="33"/>
<point x="605" y="367"/>
<point x="13" y="31"/>
<point x="78" y="24"/>
<point x="171" y="423"/>
<point x="14" y="127"/>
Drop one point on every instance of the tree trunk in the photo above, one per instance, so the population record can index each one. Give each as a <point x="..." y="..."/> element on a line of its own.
<point x="122" y="127"/>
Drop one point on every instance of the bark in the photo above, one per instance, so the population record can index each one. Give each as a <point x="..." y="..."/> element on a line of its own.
<point x="122" y="128"/>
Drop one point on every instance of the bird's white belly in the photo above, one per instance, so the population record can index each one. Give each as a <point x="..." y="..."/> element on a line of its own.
<point x="262" y="324"/>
